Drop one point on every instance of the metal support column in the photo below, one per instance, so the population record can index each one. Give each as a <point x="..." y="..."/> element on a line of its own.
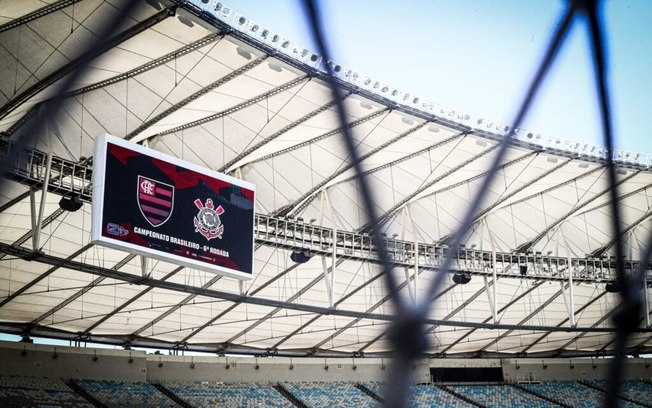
<point x="144" y="266"/>
<point x="647" y="300"/>
<point x="571" y="302"/>
<point x="38" y="223"/>
<point x="494" y="301"/>
<point x="408" y="280"/>
<point x="329" y="277"/>
<point x="646" y="295"/>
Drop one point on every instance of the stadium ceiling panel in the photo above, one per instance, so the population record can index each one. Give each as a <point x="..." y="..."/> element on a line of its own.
<point x="200" y="82"/>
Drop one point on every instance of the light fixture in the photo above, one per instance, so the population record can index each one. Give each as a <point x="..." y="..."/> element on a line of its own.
<point x="242" y="20"/>
<point x="612" y="287"/>
<point x="70" y="203"/>
<point x="301" y="256"/>
<point x="462" y="278"/>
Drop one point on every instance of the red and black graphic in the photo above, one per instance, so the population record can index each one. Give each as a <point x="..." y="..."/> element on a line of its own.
<point x="155" y="200"/>
<point x="158" y="206"/>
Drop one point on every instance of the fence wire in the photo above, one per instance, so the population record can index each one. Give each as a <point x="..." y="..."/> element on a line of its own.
<point x="407" y="334"/>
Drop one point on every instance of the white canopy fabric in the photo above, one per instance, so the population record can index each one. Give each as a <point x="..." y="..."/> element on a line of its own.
<point x="195" y="81"/>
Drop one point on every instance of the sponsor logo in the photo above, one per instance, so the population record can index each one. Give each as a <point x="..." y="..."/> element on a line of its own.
<point x="155" y="200"/>
<point x="117" y="230"/>
<point x="207" y="221"/>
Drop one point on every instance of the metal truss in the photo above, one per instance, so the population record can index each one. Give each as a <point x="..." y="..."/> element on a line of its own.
<point x="303" y="201"/>
<point x="236" y="161"/>
<point x="28" y="254"/>
<point x="563" y="322"/>
<point x="43" y="11"/>
<point x="235" y="108"/>
<point x="120" y="308"/>
<point x="122" y="77"/>
<point x="236" y="304"/>
<point x="578" y="206"/>
<point x="176" y="307"/>
<point x="323" y="136"/>
<point x="501" y="310"/>
<point x="74" y="64"/>
<point x="185" y="101"/>
<point x="286" y="232"/>
<point x="80" y="292"/>
<point x="384" y="218"/>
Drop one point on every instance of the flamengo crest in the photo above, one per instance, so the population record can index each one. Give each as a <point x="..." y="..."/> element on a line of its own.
<point x="207" y="220"/>
<point x="155" y="200"/>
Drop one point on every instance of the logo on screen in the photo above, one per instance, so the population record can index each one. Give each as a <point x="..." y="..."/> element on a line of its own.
<point x="207" y="220"/>
<point x="155" y="200"/>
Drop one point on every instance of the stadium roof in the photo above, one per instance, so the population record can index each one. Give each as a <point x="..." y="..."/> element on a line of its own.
<point x="200" y="82"/>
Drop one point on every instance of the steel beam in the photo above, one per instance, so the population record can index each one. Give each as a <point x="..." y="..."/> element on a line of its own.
<point x="501" y="310"/>
<point x="233" y="109"/>
<point x="563" y="322"/>
<point x="237" y="161"/>
<point x="81" y="292"/>
<point x="176" y="307"/>
<point x="527" y="245"/>
<point x="291" y="299"/>
<point x="74" y="177"/>
<point x="323" y="136"/>
<point x="88" y="55"/>
<point x="43" y="11"/>
<point x="521" y="325"/>
<point x="27" y="254"/>
<point x="384" y="218"/>
<point x="56" y="265"/>
<point x="236" y="304"/>
<point x="299" y="204"/>
<point x="185" y="101"/>
<point x="120" y="308"/>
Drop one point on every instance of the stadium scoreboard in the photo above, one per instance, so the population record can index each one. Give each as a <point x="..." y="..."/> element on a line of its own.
<point x="159" y="206"/>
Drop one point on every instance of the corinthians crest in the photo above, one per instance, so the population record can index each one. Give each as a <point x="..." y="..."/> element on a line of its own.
<point x="207" y="220"/>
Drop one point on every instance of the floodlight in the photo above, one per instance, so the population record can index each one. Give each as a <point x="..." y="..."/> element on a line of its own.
<point x="462" y="278"/>
<point x="70" y="203"/>
<point x="301" y="256"/>
<point x="612" y="287"/>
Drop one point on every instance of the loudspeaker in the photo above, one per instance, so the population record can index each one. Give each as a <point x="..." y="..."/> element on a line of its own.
<point x="462" y="278"/>
<point x="70" y="203"/>
<point x="522" y="269"/>
<point x="302" y="256"/>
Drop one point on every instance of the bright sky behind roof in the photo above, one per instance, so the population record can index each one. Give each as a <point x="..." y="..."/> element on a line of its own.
<point x="478" y="56"/>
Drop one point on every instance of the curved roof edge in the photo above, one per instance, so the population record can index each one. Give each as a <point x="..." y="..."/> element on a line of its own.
<point x="248" y="31"/>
